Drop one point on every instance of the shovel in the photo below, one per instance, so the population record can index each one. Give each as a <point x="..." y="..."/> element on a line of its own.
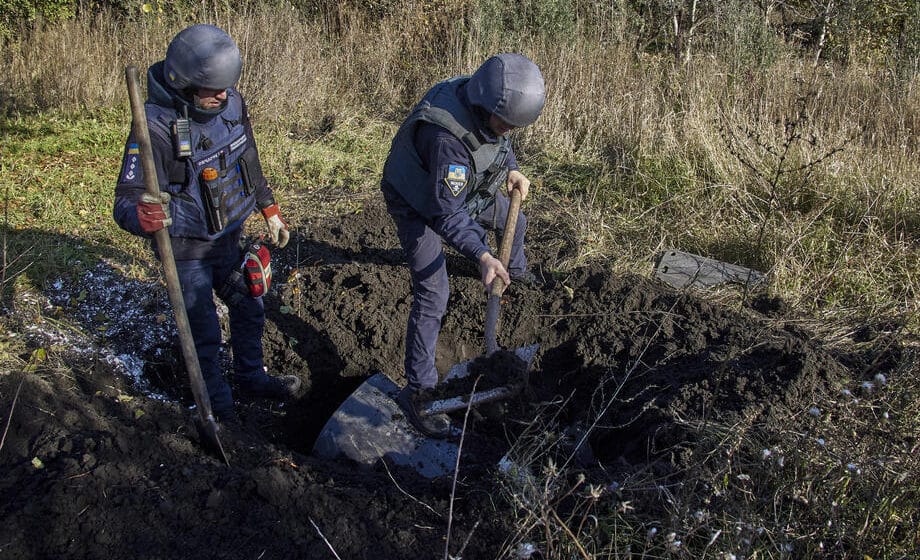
<point x="207" y="426"/>
<point x="370" y="426"/>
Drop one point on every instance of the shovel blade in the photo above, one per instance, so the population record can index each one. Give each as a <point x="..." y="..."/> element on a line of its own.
<point x="370" y="426"/>
<point x="525" y="353"/>
<point x="207" y="431"/>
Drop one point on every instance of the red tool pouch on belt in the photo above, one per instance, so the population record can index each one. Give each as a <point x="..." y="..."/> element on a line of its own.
<point x="257" y="269"/>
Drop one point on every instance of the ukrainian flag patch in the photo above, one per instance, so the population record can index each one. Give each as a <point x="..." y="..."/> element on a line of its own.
<point x="457" y="177"/>
<point x="133" y="149"/>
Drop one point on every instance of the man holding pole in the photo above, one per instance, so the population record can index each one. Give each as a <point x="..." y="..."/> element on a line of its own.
<point x="210" y="180"/>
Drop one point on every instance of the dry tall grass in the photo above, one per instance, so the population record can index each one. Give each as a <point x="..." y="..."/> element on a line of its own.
<point x="654" y="152"/>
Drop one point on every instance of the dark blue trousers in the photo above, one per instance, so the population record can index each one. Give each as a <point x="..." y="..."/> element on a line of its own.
<point x="430" y="289"/>
<point x="199" y="279"/>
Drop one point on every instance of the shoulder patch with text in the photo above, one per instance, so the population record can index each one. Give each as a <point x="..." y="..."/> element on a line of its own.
<point x="457" y="177"/>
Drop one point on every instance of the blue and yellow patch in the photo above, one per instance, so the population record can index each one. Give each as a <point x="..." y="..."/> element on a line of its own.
<point x="131" y="165"/>
<point x="457" y="178"/>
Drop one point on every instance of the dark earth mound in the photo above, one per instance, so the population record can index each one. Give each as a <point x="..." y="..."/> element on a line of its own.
<point x="101" y="460"/>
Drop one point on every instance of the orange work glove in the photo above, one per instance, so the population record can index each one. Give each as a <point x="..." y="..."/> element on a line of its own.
<point x="277" y="229"/>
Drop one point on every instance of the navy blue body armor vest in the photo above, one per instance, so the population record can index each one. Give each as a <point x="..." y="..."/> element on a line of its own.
<point x="403" y="169"/>
<point x="207" y="210"/>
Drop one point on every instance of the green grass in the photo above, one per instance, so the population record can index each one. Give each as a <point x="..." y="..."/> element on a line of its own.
<point x="59" y="172"/>
<point x="339" y="160"/>
<point x="57" y="179"/>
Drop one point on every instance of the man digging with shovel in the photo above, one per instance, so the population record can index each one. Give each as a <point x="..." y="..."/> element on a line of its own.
<point x="443" y="180"/>
<point x="210" y="180"/>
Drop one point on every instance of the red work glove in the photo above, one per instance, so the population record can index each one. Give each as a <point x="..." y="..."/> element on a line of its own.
<point x="153" y="212"/>
<point x="277" y="229"/>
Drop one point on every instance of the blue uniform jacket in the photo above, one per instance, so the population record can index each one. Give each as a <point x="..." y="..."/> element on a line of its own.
<point x="440" y="152"/>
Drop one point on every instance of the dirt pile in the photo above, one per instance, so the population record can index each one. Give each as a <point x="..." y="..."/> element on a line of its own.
<point x="100" y="459"/>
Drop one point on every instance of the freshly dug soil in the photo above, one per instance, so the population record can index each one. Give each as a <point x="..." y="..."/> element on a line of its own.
<point x="101" y="459"/>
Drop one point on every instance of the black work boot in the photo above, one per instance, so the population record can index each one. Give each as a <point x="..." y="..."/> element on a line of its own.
<point x="435" y="426"/>
<point x="281" y="387"/>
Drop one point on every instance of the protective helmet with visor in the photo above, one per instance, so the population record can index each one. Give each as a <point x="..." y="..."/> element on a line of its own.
<point x="202" y="56"/>
<point x="509" y="86"/>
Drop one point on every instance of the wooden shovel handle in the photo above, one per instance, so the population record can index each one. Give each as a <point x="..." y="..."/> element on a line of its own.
<point x="504" y="250"/>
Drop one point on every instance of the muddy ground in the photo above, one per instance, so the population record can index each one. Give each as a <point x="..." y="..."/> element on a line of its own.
<point x="100" y="458"/>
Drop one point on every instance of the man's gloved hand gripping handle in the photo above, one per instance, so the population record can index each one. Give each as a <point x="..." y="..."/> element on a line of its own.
<point x="153" y="212"/>
<point x="277" y="229"/>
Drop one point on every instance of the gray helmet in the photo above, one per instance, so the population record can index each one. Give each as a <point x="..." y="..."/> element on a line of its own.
<point x="509" y="86"/>
<point x="202" y="56"/>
